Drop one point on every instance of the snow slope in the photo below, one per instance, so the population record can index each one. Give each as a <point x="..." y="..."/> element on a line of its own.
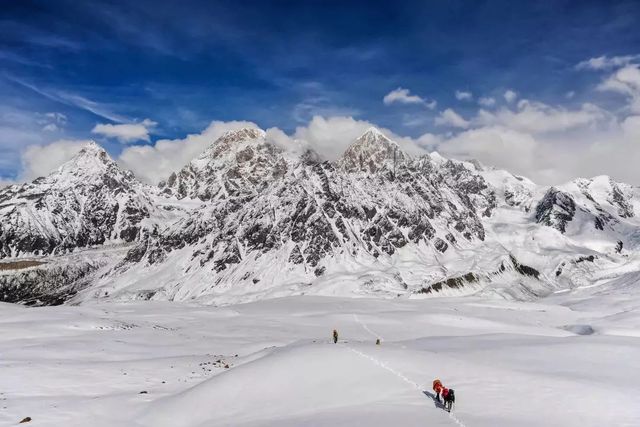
<point x="511" y="363"/>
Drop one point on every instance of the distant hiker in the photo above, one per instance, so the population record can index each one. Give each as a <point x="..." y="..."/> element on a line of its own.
<point x="335" y="336"/>
<point x="378" y="341"/>
<point x="448" y="395"/>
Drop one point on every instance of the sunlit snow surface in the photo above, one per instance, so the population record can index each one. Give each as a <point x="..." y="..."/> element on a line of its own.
<point x="572" y="359"/>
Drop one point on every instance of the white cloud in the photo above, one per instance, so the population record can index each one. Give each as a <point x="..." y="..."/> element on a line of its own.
<point x="449" y="117"/>
<point x="126" y="133"/>
<point x="604" y="62"/>
<point x="278" y="137"/>
<point x="331" y="136"/>
<point x="154" y="163"/>
<point x="51" y="127"/>
<point x="403" y="96"/>
<point x="493" y="145"/>
<point x="463" y="95"/>
<point x="487" y="101"/>
<point x="536" y="117"/>
<point x="40" y="160"/>
<point x="626" y="81"/>
<point x="510" y="96"/>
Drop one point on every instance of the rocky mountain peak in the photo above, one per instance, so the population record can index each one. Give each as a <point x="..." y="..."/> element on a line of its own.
<point x="90" y="165"/>
<point x="92" y="148"/>
<point x="372" y="152"/>
<point x="230" y="141"/>
<point x="87" y="201"/>
<point x="242" y="134"/>
<point x="240" y="162"/>
<point x="373" y="133"/>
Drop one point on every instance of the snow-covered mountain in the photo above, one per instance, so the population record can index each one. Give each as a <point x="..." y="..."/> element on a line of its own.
<point x="248" y="219"/>
<point x="88" y="201"/>
<point x="372" y="152"/>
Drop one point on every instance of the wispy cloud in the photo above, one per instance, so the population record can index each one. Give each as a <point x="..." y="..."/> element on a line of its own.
<point x="607" y="62"/>
<point x="71" y="100"/>
<point x="21" y="59"/>
<point x="404" y="96"/>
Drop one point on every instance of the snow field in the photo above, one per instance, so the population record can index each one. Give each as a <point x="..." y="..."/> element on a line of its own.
<point x="511" y="363"/>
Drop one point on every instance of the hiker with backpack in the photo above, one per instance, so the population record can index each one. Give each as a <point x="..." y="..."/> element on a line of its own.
<point x="448" y="395"/>
<point x="335" y="336"/>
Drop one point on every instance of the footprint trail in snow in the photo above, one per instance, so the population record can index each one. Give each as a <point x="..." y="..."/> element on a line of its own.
<point x="384" y="365"/>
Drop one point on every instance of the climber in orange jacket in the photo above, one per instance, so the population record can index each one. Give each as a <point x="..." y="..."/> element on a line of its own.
<point x="438" y="388"/>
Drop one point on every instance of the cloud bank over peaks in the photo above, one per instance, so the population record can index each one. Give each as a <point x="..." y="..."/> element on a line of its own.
<point x="40" y="160"/>
<point x="154" y="163"/>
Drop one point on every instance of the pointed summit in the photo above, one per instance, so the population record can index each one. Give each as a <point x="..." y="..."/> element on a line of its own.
<point x="92" y="147"/>
<point x="240" y="162"/>
<point x="242" y="134"/>
<point x="373" y="133"/>
<point x="88" y="200"/>
<point x="92" y="160"/>
<point x="230" y="141"/>
<point x="371" y="152"/>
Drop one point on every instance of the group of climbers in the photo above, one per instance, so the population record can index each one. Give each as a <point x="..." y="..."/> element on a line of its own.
<point x="335" y="338"/>
<point x="448" y="394"/>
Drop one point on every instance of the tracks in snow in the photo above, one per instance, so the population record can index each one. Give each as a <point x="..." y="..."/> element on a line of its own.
<point x="366" y="327"/>
<point x="385" y="366"/>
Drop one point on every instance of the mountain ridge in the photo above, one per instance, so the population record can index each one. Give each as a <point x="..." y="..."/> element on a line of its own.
<point x="246" y="219"/>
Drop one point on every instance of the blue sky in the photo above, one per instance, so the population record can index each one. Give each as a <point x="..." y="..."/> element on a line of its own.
<point x="69" y="66"/>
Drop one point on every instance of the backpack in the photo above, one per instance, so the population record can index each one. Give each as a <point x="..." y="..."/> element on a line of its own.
<point x="451" y="396"/>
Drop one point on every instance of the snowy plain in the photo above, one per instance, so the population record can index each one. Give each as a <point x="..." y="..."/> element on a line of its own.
<point x="571" y="359"/>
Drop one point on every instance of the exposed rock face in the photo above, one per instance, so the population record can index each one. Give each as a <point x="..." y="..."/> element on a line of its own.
<point x="44" y="284"/>
<point x="372" y="152"/>
<point x="267" y="202"/>
<point x="240" y="163"/>
<point x="556" y="209"/>
<point x="87" y="201"/>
